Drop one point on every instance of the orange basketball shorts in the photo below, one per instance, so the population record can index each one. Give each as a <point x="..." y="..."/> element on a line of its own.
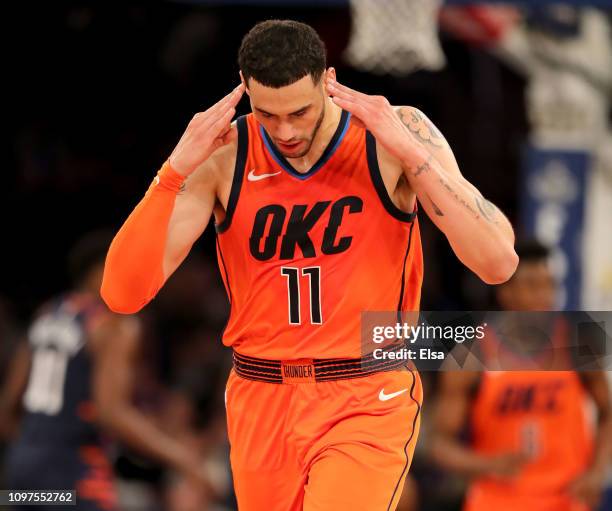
<point x="335" y="445"/>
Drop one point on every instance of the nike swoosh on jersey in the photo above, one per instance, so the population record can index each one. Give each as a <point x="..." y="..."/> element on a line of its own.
<point x="385" y="397"/>
<point x="251" y="176"/>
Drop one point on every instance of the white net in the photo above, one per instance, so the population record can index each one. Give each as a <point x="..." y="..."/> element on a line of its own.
<point x="395" y="36"/>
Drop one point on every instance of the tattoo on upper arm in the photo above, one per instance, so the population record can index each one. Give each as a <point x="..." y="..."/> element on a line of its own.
<point x="421" y="127"/>
<point x="182" y="188"/>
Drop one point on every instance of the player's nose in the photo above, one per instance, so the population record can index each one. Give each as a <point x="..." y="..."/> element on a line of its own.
<point x="285" y="132"/>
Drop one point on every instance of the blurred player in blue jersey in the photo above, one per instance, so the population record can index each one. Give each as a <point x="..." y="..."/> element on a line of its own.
<point x="73" y="379"/>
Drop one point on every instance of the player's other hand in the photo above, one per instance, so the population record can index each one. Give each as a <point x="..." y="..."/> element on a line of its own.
<point x="506" y="465"/>
<point x="588" y="487"/>
<point x="378" y="116"/>
<point x="206" y="132"/>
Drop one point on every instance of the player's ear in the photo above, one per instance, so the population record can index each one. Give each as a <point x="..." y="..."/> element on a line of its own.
<point x="330" y="72"/>
<point x="246" y="87"/>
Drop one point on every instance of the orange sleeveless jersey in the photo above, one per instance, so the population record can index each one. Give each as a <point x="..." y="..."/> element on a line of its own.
<point x="541" y="413"/>
<point x="302" y="255"/>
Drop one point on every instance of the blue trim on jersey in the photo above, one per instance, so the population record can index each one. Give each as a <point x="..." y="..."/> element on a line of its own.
<point x="327" y="153"/>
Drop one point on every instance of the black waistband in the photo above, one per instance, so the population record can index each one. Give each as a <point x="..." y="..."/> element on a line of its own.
<point x="271" y="371"/>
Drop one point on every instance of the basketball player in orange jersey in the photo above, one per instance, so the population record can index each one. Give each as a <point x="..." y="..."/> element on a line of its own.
<point x="532" y="445"/>
<point x="314" y="198"/>
<point x="73" y="379"/>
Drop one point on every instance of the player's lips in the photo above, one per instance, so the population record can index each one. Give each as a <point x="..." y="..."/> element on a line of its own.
<point x="289" y="147"/>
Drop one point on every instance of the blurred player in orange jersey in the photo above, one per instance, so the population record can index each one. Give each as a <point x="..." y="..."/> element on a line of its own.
<point x="73" y="379"/>
<point x="314" y="198"/>
<point x="532" y="446"/>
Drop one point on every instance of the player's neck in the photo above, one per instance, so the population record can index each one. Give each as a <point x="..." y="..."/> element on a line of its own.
<point x="329" y="125"/>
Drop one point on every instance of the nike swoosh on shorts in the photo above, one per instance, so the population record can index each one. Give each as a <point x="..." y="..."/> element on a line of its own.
<point x="385" y="397"/>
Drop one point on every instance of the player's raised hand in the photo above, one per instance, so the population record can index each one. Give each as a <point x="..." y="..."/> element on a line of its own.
<point x="377" y="115"/>
<point x="206" y="132"/>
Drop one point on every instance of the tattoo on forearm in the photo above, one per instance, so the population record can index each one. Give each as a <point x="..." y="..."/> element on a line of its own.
<point x="436" y="209"/>
<point x="459" y="199"/>
<point x="421" y="127"/>
<point x="487" y="208"/>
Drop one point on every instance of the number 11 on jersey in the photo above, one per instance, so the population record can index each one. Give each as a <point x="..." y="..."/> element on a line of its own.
<point x="292" y="275"/>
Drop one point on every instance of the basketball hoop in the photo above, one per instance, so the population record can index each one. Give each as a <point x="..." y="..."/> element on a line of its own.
<point x="395" y="37"/>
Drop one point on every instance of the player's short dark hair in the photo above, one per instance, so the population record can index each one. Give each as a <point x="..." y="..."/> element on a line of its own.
<point x="277" y="53"/>
<point x="531" y="250"/>
<point x="88" y="252"/>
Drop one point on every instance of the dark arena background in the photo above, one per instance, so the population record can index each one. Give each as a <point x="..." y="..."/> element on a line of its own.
<point x="97" y="95"/>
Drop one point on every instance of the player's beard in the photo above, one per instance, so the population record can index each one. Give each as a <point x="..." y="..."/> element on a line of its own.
<point x="309" y="141"/>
